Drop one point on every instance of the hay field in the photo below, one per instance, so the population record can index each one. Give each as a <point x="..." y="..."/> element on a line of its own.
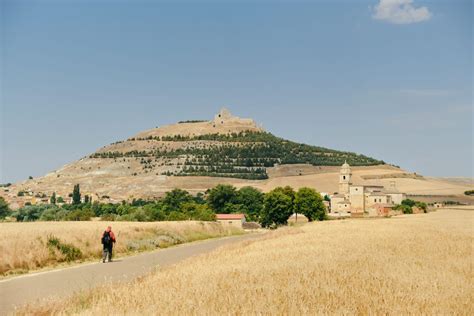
<point x="414" y="264"/>
<point x="24" y="246"/>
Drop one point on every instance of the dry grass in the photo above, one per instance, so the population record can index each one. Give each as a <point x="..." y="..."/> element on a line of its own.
<point x="418" y="264"/>
<point x="23" y="246"/>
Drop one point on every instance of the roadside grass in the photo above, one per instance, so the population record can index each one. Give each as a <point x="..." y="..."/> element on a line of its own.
<point x="419" y="264"/>
<point x="37" y="245"/>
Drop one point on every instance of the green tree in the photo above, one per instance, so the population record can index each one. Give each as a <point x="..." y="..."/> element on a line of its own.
<point x="175" y="198"/>
<point x="310" y="203"/>
<point x="76" y="195"/>
<point x="287" y="190"/>
<point x="155" y="212"/>
<point x="422" y="205"/>
<point x="409" y="202"/>
<point x="4" y="209"/>
<point x="52" y="200"/>
<point x="60" y="199"/>
<point x="198" y="212"/>
<point x="252" y="201"/>
<point x="221" y="195"/>
<point x="277" y="208"/>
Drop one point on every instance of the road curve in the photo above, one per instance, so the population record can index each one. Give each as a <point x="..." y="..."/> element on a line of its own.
<point x="28" y="288"/>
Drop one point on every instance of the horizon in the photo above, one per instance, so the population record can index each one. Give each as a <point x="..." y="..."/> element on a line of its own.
<point x="345" y="76"/>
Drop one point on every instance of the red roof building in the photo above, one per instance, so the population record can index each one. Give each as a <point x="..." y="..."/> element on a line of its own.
<point x="230" y="217"/>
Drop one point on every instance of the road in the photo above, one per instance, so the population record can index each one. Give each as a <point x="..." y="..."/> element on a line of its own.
<point x="29" y="288"/>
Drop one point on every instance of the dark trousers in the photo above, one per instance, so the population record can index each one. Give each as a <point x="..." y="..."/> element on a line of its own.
<point x="107" y="253"/>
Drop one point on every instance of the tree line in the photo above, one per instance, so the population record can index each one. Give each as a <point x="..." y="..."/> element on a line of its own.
<point x="243" y="155"/>
<point x="269" y="209"/>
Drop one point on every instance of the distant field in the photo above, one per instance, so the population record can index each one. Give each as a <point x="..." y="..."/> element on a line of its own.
<point x="413" y="264"/>
<point x="25" y="246"/>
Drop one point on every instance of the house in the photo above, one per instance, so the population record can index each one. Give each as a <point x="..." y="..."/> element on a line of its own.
<point x="231" y="219"/>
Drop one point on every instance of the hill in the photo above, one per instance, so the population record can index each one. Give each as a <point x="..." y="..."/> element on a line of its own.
<point x="197" y="155"/>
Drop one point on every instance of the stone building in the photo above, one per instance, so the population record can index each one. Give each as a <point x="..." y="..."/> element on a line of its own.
<point x="225" y="118"/>
<point x="363" y="200"/>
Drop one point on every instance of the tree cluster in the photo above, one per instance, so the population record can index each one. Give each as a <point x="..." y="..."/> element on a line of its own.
<point x="270" y="209"/>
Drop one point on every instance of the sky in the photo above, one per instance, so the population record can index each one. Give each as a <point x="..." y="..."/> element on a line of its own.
<point x="391" y="79"/>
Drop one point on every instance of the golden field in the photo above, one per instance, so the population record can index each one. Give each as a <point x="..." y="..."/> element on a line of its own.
<point x="413" y="264"/>
<point x="24" y="246"/>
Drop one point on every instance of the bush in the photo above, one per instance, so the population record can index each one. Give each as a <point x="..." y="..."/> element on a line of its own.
<point x="409" y="202"/>
<point x="69" y="252"/>
<point x="198" y="212"/>
<point x="469" y="192"/>
<point x="108" y="217"/>
<point x="176" y="216"/>
<point x="4" y="209"/>
<point x="422" y="206"/>
<point x="30" y="213"/>
<point x="404" y="208"/>
<point x="80" y="215"/>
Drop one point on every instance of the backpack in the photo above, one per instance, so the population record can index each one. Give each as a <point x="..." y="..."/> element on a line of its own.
<point x="106" y="238"/>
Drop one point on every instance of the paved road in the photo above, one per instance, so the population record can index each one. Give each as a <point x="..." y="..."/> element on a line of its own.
<point x="56" y="283"/>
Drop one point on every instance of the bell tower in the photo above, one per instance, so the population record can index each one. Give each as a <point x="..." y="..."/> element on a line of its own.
<point x="345" y="178"/>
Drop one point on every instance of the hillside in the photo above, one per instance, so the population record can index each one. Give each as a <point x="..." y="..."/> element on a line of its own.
<point x="197" y="155"/>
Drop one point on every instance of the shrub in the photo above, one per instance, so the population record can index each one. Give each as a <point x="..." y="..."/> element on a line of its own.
<point x="409" y="202"/>
<point x="422" y="205"/>
<point x="80" y="215"/>
<point x="69" y="251"/>
<point x="198" y="212"/>
<point x="469" y="192"/>
<point x="30" y="213"/>
<point x="404" y="208"/>
<point x="176" y="216"/>
<point x="4" y="209"/>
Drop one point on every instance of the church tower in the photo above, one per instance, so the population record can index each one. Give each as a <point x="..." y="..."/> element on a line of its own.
<point x="345" y="178"/>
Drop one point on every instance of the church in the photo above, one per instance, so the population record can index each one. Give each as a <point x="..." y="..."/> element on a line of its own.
<point x="363" y="200"/>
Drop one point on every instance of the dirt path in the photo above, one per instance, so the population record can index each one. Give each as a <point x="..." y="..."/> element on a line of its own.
<point x="56" y="283"/>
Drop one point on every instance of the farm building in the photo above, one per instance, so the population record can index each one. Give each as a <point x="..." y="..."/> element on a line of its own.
<point x="231" y="219"/>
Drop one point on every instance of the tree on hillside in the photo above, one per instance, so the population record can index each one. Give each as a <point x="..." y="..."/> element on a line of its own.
<point x="175" y="198"/>
<point x="221" y="195"/>
<point x="76" y="195"/>
<point x="277" y="208"/>
<point x="4" y="209"/>
<point x="252" y="201"/>
<point x="52" y="200"/>
<point x="310" y="203"/>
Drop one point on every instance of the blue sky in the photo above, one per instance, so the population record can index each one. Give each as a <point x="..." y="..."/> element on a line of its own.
<point x="392" y="80"/>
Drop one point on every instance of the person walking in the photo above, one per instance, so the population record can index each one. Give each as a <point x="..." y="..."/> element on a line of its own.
<point x="108" y="240"/>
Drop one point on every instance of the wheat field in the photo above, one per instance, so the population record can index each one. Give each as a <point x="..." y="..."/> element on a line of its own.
<point x="414" y="264"/>
<point x="24" y="246"/>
